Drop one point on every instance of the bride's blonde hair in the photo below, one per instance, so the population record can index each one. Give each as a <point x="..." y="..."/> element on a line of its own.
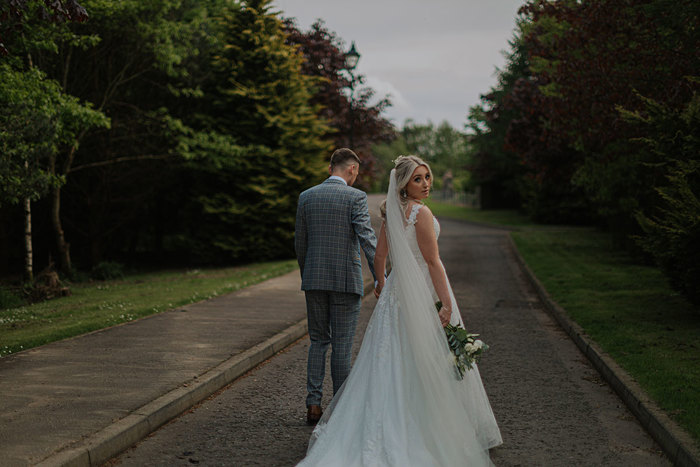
<point x="405" y="166"/>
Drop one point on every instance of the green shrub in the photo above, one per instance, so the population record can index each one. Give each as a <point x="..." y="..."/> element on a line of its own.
<point x="672" y="225"/>
<point x="77" y="276"/>
<point x="107" y="270"/>
<point x="9" y="299"/>
<point x="673" y="236"/>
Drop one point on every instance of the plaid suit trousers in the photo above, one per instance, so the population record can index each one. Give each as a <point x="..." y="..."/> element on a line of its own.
<point x="332" y="318"/>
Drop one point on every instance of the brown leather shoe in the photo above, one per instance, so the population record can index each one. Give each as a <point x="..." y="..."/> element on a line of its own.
<point x="313" y="414"/>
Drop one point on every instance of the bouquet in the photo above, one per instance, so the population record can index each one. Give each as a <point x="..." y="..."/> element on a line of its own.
<point x="466" y="348"/>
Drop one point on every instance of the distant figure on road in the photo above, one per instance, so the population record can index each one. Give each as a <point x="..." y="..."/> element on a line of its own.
<point x="403" y="403"/>
<point x="332" y="222"/>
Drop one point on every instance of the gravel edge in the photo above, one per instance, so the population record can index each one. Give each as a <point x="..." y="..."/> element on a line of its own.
<point x="674" y="440"/>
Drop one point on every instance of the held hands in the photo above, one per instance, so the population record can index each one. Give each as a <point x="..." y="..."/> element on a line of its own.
<point x="445" y="314"/>
<point x="378" y="287"/>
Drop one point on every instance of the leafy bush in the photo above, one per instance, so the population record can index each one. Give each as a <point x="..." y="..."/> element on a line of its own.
<point x="107" y="270"/>
<point x="673" y="236"/>
<point x="77" y="276"/>
<point x="672" y="227"/>
<point x="8" y="299"/>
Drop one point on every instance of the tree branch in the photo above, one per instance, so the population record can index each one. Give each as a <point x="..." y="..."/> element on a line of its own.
<point x="120" y="159"/>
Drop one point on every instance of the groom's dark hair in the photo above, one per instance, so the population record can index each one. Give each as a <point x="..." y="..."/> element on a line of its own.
<point x="343" y="156"/>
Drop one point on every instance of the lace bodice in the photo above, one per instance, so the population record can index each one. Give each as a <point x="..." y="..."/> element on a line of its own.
<point x="413" y="243"/>
<point x="413" y="218"/>
<point x="411" y="230"/>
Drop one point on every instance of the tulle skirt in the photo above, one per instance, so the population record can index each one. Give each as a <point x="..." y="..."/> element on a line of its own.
<point x="387" y="414"/>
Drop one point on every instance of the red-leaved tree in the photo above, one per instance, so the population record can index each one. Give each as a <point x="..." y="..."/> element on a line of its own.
<point x="346" y="105"/>
<point x="13" y="13"/>
<point x="591" y="59"/>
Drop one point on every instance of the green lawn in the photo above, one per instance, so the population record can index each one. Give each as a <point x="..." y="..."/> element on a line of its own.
<point x="98" y="305"/>
<point x="502" y="217"/>
<point x="627" y="308"/>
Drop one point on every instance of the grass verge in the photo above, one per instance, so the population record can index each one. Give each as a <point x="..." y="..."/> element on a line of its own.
<point x="628" y="309"/>
<point x="501" y="217"/>
<point x="98" y="305"/>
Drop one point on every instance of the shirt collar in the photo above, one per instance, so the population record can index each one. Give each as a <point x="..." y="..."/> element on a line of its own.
<point x="335" y="177"/>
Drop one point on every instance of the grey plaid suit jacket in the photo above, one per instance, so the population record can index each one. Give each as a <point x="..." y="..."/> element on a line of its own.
<point x="332" y="223"/>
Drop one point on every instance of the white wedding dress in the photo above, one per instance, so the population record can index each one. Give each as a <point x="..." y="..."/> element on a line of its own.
<point x="402" y="404"/>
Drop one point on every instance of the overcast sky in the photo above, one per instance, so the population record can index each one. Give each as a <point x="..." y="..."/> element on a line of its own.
<point x="433" y="57"/>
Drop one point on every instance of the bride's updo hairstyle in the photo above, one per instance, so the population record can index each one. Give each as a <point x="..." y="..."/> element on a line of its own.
<point x="405" y="166"/>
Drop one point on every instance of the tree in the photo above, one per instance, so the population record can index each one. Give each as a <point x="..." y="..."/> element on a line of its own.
<point x="147" y="72"/>
<point x="13" y="14"/>
<point x="497" y="168"/>
<point x="214" y="131"/>
<point x="341" y="97"/>
<point x="133" y="60"/>
<point x="266" y="142"/>
<point x="547" y="190"/>
<point x="591" y="58"/>
<point x="443" y="147"/>
<point x="38" y="121"/>
<point x="386" y="153"/>
<point x="58" y="116"/>
<point x="671" y="227"/>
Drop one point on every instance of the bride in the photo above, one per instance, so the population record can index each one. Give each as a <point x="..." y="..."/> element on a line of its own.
<point x="402" y="404"/>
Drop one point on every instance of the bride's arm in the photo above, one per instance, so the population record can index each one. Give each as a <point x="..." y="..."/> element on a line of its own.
<point x="380" y="260"/>
<point x="427" y="242"/>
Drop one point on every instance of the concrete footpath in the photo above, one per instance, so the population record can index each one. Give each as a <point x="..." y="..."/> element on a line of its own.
<point x="82" y="400"/>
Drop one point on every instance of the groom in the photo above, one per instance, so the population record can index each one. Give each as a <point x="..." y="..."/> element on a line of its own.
<point x="332" y="223"/>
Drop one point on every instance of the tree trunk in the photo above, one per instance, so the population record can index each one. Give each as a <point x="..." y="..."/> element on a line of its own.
<point x="64" y="263"/>
<point x="28" y="253"/>
<point x="63" y="247"/>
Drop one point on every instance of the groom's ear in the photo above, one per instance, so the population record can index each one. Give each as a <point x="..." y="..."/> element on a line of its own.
<point x="330" y="169"/>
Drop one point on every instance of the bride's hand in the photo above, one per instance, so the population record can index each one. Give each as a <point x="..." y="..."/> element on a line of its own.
<point x="378" y="288"/>
<point x="445" y="314"/>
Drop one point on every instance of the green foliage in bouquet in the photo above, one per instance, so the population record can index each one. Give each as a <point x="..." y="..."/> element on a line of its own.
<point x="466" y="348"/>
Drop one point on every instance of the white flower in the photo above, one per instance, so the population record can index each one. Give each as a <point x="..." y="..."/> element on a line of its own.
<point x="469" y="348"/>
<point x="478" y="344"/>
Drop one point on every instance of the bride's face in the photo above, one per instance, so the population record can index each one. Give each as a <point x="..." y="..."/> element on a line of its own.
<point x="418" y="186"/>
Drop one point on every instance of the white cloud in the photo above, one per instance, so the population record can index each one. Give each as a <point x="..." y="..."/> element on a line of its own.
<point x="384" y="88"/>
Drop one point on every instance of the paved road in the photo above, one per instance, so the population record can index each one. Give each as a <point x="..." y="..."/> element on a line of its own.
<point x="552" y="407"/>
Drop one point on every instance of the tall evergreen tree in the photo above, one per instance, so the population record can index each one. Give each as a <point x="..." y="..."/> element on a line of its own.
<point x="267" y="142"/>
